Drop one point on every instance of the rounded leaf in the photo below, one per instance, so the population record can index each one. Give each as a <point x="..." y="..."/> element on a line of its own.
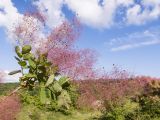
<point x="28" y="56"/>
<point x="22" y="63"/>
<point x="26" y="49"/>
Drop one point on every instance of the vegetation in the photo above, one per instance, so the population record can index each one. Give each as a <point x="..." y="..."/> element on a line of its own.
<point x="52" y="93"/>
<point x="33" y="113"/>
<point x="140" y="105"/>
<point x="145" y="106"/>
<point x="5" y="88"/>
<point x="47" y="90"/>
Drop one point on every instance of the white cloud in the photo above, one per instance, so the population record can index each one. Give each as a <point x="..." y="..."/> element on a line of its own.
<point x="139" y="14"/>
<point x="135" y="40"/>
<point x="97" y="15"/>
<point x="52" y="9"/>
<point x="125" y="2"/>
<point x="135" y="45"/>
<point x="8" y="14"/>
<point x="94" y="13"/>
<point x="90" y="12"/>
<point x="101" y="15"/>
<point x="10" y="78"/>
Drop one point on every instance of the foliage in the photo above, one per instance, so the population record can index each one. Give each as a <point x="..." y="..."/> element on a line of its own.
<point x="136" y="103"/>
<point x="119" y="111"/>
<point x="149" y="101"/>
<point x="107" y="90"/>
<point x="37" y="70"/>
<point x="33" y="113"/>
<point x="146" y="106"/>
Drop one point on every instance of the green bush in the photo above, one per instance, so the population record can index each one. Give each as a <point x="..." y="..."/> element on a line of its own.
<point x="119" y="111"/>
<point x="38" y="83"/>
<point x="146" y="106"/>
<point x="149" y="100"/>
<point x="32" y="98"/>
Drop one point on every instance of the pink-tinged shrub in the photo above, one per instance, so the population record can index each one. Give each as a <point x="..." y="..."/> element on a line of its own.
<point x="58" y="43"/>
<point x="9" y="107"/>
<point x="109" y="90"/>
<point x="117" y="73"/>
<point x="75" y="64"/>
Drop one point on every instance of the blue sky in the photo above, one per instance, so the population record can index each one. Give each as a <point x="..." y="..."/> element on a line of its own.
<point x="123" y="32"/>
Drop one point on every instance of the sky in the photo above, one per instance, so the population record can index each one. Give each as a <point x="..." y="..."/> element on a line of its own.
<point x="123" y="32"/>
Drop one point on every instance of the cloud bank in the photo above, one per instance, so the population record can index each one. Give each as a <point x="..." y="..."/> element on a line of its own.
<point x="8" y="14"/>
<point x="93" y="13"/>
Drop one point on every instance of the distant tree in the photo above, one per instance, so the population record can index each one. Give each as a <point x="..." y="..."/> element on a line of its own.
<point x="2" y="74"/>
<point x="58" y="43"/>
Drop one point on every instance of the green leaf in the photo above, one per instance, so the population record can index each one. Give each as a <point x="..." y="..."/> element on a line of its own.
<point x="14" y="72"/>
<point x="32" y="63"/>
<point x="40" y="76"/>
<point x="49" y="81"/>
<point x="28" y="56"/>
<point x="56" y="87"/>
<point x="18" y="52"/>
<point x="42" y="68"/>
<point x="63" y="80"/>
<point x="64" y="99"/>
<point x="22" y="63"/>
<point x="29" y="75"/>
<point x="47" y="64"/>
<point x="26" y="49"/>
<point x="23" y="78"/>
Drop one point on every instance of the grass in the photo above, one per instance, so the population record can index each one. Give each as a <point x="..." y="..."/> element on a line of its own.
<point x="5" y="88"/>
<point x="32" y="113"/>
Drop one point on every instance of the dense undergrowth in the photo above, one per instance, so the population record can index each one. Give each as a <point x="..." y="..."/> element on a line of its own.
<point x="134" y="99"/>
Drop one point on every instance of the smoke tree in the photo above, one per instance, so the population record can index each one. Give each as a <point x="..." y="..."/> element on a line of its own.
<point x="58" y="43"/>
<point x="42" y="53"/>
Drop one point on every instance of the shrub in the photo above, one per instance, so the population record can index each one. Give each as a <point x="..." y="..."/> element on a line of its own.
<point x="38" y="79"/>
<point x="107" y="90"/>
<point x="149" y="100"/>
<point x="146" y="106"/>
<point x="119" y="111"/>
